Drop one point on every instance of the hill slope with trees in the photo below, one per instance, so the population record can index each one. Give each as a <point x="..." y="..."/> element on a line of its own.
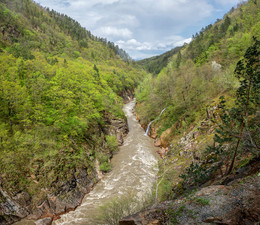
<point x="155" y="64"/>
<point x="209" y="130"/>
<point x="61" y="118"/>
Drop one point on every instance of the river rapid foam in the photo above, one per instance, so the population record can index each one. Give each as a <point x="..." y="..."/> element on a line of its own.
<point x="133" y="171"/>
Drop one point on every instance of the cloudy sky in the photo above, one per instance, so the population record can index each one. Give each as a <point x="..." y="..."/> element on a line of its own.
<point x="143" y="28"/>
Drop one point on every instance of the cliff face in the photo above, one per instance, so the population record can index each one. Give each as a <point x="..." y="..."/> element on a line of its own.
<point x="62" y="196"/>
<point x="232" y="201"/>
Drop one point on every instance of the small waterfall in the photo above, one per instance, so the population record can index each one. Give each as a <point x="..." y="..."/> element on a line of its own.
<point x="149" y="125"/>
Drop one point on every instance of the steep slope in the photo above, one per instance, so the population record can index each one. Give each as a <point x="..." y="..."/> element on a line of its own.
<point x="155" y="64"/>
<point x="209" y="130"/>
<point x="234" y="203"/>
<point x="200" y="72"/>
<point x="60" y="109"/>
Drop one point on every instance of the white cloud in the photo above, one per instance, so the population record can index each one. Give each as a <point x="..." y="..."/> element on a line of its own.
<point x="150" y="48"/>
<point x="89" y="3"/>
<point x="113" y="32"/>
<point x="143" y="25"/>
<point x="133" y="44"/>
<point x="182" y="42"/>
<point x="228" y="2"/>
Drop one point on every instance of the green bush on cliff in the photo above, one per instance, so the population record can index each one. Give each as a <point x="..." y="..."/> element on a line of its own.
<point x="238" y="130"/>
<point x="105" y="167"/>
<point x="112" y="143"/>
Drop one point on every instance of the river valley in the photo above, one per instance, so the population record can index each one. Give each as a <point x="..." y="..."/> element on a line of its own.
<point x="133" y="170"/>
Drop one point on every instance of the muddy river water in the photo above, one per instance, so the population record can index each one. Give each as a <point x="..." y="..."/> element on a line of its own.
<point x="133" y="170"/>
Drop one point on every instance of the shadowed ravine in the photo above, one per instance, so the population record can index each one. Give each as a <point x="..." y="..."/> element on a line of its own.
<point x="133" y="170"/>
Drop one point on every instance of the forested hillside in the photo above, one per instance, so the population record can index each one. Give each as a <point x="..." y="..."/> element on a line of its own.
<point x="210" y="93"/>
<point x="60" y="109"/>
<point x="156" y="63"/>
<point x="202" y="70"/>
<point x="61" y="119"/>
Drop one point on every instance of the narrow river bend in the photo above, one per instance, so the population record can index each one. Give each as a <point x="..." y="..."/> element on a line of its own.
<point x="133" y="170"/>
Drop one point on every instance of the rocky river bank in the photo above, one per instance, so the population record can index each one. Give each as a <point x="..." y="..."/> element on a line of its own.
<point x="65" y="197"/>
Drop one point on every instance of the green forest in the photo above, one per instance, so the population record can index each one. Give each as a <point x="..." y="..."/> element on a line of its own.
<point x="61" y="87"/>
<point x="209" y="88"/>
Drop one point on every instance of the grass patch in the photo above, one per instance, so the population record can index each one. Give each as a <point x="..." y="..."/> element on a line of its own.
<point x="200" y="201"/>
<point x="173" y="214"/>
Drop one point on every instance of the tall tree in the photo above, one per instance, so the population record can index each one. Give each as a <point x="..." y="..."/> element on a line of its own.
<point x="248" y="97"/>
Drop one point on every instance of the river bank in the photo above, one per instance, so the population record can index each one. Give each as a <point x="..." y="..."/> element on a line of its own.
<point x="69" y="194"/>
<point x="133" y="171"/>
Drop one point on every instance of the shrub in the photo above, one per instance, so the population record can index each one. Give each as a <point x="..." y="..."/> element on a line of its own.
<point x="105" y="167"/>
<point x="112" y="143"/>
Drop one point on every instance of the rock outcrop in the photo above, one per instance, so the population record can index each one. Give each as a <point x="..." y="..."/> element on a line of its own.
<point x="232" y="204"/>
<point x="67" y="197"/>
<point x="13" y="209"/>
<point x="119" y="129"/>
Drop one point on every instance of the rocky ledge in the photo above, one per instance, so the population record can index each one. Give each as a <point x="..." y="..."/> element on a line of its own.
<point x="235" y="201"/>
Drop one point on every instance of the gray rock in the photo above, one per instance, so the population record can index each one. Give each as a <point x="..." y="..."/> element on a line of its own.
<point x="238" y="203"/>
<point x="45" y="221"/>
<point x="215" y="66"/>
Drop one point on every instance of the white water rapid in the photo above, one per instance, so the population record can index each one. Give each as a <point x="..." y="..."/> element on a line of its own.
<point x="133" y="170"/>
<point x="149" y="125"/>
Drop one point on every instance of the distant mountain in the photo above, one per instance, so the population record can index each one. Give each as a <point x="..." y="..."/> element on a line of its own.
<point x="155" y="64"/>
<point x="48" y="23"/>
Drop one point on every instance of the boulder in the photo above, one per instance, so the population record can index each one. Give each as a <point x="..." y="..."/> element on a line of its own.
<point x="118" y="128"/>
<point x="166" y="137"/>
<point x="153" y="133"/>
<point x="215" y="66"/>
<point x="162" y="151"/>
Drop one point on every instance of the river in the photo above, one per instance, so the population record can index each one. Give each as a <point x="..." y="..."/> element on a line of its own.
<point x="133" y="171"/>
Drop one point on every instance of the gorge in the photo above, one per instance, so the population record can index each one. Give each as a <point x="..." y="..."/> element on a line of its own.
<point x="133" y="172"/>
<point x="73" y="151"/>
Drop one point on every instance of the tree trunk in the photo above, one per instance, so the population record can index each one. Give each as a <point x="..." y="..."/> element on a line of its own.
<point x="241" y="130"/>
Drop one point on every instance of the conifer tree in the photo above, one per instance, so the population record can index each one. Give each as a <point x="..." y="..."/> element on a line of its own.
<point x="248" y="73"/>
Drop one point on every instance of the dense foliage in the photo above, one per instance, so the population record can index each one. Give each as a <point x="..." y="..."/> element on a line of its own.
<point x="59" y="86"/>
<point x="21" y="18"/>
<point x="200" y="71"/>
<point x="237" y="133"/>
<point x="222" y="60"/>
